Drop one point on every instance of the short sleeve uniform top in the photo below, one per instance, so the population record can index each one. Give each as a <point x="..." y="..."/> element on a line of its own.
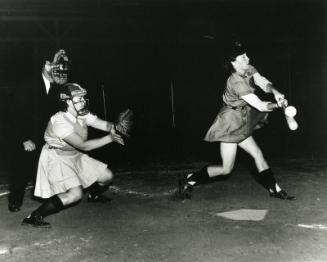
<point x="236" y="120"/>
<point x="62" y="124"/>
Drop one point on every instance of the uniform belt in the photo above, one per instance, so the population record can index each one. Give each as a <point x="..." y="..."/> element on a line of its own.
<point x="53" y="147"/>
<point x="59" y="148"/>
<point x="236" y="107"/>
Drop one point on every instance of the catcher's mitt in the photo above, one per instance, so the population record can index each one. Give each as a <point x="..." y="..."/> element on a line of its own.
<point x="124" y="122"/>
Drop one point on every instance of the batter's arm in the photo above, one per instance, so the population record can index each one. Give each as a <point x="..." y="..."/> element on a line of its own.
<point x="262" y="82"/>
<point x="268" y="87"/>
<point x="257" y="103"/>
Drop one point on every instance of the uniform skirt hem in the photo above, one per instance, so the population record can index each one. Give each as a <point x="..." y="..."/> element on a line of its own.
<point x="57" y="174"/>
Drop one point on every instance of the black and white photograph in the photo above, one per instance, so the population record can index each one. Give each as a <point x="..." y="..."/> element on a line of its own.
<point x="163" y="130"/>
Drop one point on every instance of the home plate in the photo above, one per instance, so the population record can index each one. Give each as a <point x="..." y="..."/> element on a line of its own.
<point x="244" y="214"/>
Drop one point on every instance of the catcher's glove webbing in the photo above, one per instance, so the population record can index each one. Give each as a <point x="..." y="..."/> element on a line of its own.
<point x="124" y="122"/>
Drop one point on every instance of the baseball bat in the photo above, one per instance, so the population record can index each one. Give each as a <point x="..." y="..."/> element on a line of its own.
<point x="290" y="113"/>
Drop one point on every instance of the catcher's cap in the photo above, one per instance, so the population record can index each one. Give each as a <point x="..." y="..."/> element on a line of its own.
<point x="71" y="90"/>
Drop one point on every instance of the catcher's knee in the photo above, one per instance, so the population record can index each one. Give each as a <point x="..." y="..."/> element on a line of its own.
<point x="106" y="177"/>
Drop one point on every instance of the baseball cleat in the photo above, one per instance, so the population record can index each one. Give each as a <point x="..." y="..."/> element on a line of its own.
<point x="13" y="207"/>
<point x="98" y="198"/>
<point x="36" y="221"/>
<point x="184" y="189"/>
<point x="281" y="195"/>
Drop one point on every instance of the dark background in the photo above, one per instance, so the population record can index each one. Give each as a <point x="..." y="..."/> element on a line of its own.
<point x="138" y="51"/>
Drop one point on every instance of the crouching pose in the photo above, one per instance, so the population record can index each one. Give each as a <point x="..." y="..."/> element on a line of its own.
<point x="243" y="112"/>
<point x="63" y="170"/>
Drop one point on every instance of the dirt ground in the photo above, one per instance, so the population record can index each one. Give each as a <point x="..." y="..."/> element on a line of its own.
<point x="144" y="222"/>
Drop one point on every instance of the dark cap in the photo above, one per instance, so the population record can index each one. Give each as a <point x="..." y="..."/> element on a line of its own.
<point x="235" y="50"/>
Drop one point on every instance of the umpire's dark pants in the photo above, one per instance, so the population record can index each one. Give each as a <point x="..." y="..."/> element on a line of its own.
<point x="23" y="171"/>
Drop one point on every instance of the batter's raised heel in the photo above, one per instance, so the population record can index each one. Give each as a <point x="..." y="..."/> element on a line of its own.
<point x="281" y="195"/>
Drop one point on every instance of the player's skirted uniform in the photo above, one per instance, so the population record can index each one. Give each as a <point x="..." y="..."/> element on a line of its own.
<point x="61" y="166"/>
<point x="63" y="170"/>
<point x="237" y="119"/>
<point x="235" y="123"/>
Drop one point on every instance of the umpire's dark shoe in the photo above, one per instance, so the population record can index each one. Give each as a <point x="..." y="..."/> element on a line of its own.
<point x="36" y="221"/>
<point x="184" y="189"/>
<point x="13" y="207"/>
<point x="98" y="198"/>
<point x="282" y="195"/>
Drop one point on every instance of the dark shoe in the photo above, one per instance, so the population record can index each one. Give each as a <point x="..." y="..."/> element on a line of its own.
<point x="281" y="195"/>
<point x="98" y="198"/>
<point x="36" y="221"/>
<point x="13" y="207"/>
<point x="184" y="189"/>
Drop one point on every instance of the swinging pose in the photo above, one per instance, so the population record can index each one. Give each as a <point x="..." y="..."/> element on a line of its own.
<point x="241" y="114"/>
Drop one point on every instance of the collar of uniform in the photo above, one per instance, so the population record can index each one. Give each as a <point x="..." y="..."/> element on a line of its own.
<point x="73" y="118"/>
<point x="245" y="75"/>
<point x="70" y="117"/>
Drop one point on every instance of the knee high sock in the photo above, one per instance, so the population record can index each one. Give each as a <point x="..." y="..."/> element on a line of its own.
<point x="199" y="177"/>
<point x="50" y="206"/>
<point x="267" y="180"/>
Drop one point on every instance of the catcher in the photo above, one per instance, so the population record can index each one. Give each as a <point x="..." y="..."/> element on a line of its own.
<point x="63" y="170"/>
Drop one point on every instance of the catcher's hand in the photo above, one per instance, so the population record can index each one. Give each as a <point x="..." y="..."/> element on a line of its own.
<point x="124" y="122"/>
<point x="116" y="138"/>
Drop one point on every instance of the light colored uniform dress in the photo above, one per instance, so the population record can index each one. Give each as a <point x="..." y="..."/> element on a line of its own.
<point x="236" y="120"/>
<point x="61" y="166"/>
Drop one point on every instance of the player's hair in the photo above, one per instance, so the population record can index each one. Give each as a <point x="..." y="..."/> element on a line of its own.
<point x="62" y="106"/>
<point x="234" y="50"/>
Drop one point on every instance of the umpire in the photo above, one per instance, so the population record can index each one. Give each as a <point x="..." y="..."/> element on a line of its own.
<point x="34" y="104"/>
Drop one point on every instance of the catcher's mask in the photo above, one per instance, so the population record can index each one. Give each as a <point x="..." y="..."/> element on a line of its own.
<point x="60" y="67"/>
<point x="76" y="93"/>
